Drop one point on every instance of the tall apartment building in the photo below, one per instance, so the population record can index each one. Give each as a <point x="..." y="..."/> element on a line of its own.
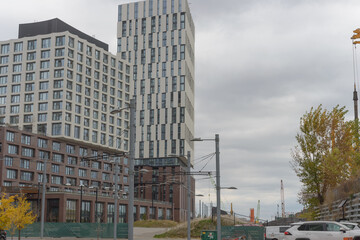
<point x="157" y="38"/>
<point x="60" y="82"/>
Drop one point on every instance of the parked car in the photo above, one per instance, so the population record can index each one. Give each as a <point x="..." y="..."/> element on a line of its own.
<point x="320" y="230"/>
<point x="352" y="226"/>
<point x="275" y="232"/>
<point x="2" y="235"/>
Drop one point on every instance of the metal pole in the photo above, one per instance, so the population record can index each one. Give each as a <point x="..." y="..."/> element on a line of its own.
<point x="96" y="199"/>
<point x="38" y="202"/>
<point x="218" y="216"/>
<point x="81" y="191"/>
<point x="43" y="202"/>
<point x="188" y="197"/>
<point x="200" y="208"/>
<point x="116" y="209"/>
<point x="131" y="169"/>
<point x="172" y="203"/>
<point x="152" y="202"/>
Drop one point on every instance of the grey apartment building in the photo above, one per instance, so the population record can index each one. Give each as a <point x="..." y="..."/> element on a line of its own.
<point x="60" y="85"/>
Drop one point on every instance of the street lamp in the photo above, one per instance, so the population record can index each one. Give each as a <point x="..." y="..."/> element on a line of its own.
<point x="132" y="107"/>
<point x="96" y="200"/>
<point x="217" y="153"/>
<point x="81" y="193"/>
<point x="43" y="202"/>
<point x="116" y="209"/>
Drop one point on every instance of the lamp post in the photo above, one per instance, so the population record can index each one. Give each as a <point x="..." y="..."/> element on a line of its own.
<point x="43" y="202"/>
<point x="217" y="153"/>
<point x="116" y="209"/>
<point x="81" y="193"/>
<point x="96" y="200"/>
<point x="188" y="197"/>
<point x="132" y="107"/>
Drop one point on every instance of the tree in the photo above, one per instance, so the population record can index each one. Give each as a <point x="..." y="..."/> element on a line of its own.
<point x="323" y="156"/>
<point x="5" y="216"/>
<point x="21" y="214"/>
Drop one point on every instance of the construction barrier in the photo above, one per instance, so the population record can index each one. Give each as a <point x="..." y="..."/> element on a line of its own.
<point x="78" y="230"/>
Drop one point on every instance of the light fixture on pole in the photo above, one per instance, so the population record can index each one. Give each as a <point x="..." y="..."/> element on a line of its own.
<point x="132" y="107"/>
<point x="217" y="153"/>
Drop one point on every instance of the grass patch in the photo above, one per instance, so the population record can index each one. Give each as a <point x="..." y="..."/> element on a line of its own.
<point x="155" y="223"/>
<point x="196" y="227"/>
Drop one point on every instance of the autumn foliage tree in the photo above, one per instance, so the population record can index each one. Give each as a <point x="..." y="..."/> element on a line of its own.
<point x="324" y="154"/>
<point x="5" y="216"/>
<point x="15" y="213"/>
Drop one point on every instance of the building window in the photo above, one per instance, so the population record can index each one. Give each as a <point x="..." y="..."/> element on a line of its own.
<point x="10" y="136"/>
<point x="40" y="166"/>
<point x="8" y="161"/>
<point x="60" y="41"/>
<point x="18" y="47"/>
<point x="56" y="179"/>
<point x="70" y="171"/>
<point x="43" y="155"/>
<point x="26" y="139"/>
<point x="72" y="160"/>
<point x="13" y="149"/>
<point x="27" y="152"/>
<point x="82" y="172"/>
<point x="70" y="149"/>
<point x="26" y="176"/>
<point x="31" y="45"/>
<point x="55" y="168"/>
<point x="45" y="42"/>
<point x="11" y="174"/>
<point x="58" y="157"/>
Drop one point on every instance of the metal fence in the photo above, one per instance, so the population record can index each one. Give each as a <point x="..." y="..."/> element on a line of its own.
<point x="78" y="230"/>
<point x="243" y="232"/>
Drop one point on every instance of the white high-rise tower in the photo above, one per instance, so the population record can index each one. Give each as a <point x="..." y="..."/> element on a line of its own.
<point x="157" y="38"/>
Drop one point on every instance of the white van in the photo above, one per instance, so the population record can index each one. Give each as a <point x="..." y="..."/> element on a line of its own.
<point x="275" y="232"/>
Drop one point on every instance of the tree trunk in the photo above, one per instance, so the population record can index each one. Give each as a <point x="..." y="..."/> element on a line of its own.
<point x="19" y="235"/>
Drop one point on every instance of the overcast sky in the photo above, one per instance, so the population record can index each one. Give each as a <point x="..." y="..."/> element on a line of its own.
<point x="260" y="65"/>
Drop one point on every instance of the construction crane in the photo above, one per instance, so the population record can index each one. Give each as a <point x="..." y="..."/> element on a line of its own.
<point x="282" y="200"/>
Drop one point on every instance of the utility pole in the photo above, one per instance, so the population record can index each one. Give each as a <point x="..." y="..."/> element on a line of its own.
<point x="131" y="169"/>
<point x="116" y="209"/>
<point x="188" y="197"/>
<point x="218" y="205"/>
<point x="43" y="202"/>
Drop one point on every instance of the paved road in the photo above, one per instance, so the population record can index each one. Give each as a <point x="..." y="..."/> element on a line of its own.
<point x="139" y="234"/>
